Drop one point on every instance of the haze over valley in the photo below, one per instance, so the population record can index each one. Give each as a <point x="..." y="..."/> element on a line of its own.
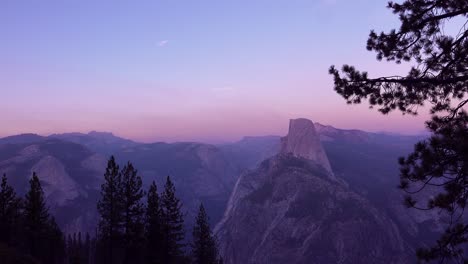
<point x="325" y="161"/>
<point x="233" y="132"/>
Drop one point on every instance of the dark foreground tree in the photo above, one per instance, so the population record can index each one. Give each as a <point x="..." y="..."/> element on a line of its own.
<point x="133" y="214"/>
<point x="153" y="227"/>
<point x="173" y="225"/>
<point x="11" y="255"/>
<point x="36" y="217"/>
<point x="9" y="212"/>
<point x="437" y="171"/>
<point x="78" y="251"/>
<point x="43" y="238"/>
<point x="204" y="247"/>
<point x="110" y="208"/>
<point x="54" y="242"/>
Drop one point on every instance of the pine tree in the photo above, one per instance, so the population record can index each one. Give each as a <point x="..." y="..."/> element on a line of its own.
<point x="87" y="249"/>
<point x="173" y="225"/>
<point x="43" y="238"/>
<point x="110" y="208"/>
<point x="80" y="249"/>
<point x="204" y="247"/>
<point x="133" y="213"/>
<point x="78" y="252"/>
<point x="36" y="217"/>
<point x="9" y="211"/>
<point x="70" y="250"/>
<point x="93" y="250"/>
<point x="431" y="37"/>
<point x="54" y="248"/>
<point x="153" y="226"/>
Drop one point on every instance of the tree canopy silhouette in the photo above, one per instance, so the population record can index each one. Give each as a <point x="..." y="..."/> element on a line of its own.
<point x="42" y="234"/>
<point x="438" y="166"/>
<point x="9" y="211"/>
<point x="133" y="215"/>
<point x="204" y="245"/>
<point x="172" y="225"/>
<point x="110" y="208"/>
<point x="153" y="226"/>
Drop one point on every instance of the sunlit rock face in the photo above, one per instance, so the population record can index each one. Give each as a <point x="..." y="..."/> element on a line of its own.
<point x="58" y="186"/>
<point x="292" y="209"/>
<point x="303" y="141"/>
<point x="70" y="176"/>
<point x="289" y="211"/>
<point x="329" y="133"/>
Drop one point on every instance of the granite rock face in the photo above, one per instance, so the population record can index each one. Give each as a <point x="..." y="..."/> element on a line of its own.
<point x="289" y="211"/>
<point x="292" y="209"/>
<point x="57" y="184"/>
<point x="329" y="133"/>
<point x="70" y="176"/>
<point x="303" y="141"/>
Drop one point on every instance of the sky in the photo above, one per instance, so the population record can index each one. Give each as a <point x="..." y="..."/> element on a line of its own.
<point x="177" y="70"/>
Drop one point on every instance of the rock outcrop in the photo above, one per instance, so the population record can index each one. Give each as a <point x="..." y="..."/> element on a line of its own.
<point x="329" y="133"/>
<point x="303" y="141"/>
<point x="291" y="209"/>
<point x="70" y="175"/>
<point x="58" y="186"/>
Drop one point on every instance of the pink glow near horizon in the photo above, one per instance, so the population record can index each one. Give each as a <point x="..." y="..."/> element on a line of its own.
<point x="148" y="73"/>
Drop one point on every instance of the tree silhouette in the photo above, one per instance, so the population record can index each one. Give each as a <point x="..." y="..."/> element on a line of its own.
<point x="9" y="211"/>
<point x="173" y="225"/>
<point x="204" y="247"/>
<point x="133" y="214"/>
<point x="110" y="208"/>
<point x="153" y="227"/>
<point x="36" y="217"/>
<point x="43" y="236"/>
<point x="54" y="243"/>
<point x="440" y="78"/>
<point x="78" y="252"/>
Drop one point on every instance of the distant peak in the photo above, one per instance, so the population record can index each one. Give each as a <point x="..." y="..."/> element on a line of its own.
<point x="317" y="124"/>
<point x="320" y="128"/>
<point x="303" y="141"/>
<point x="24" y="135"/>
<point x="22" y="138"/>
<point x="28" y="135"/>
<point x="97" y="133"/>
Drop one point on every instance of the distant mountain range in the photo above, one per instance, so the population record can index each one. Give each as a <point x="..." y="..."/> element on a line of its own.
<point x="100" y="142"/>
<point x="251" y="174"/>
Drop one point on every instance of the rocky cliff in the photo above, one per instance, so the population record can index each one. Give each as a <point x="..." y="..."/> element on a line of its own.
<point x="303" y="141"/>
<point x="70" y="175"/>
<point x="291" y="209"/>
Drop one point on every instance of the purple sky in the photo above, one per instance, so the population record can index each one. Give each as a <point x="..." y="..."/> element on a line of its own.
<point x="186" y="70"/>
